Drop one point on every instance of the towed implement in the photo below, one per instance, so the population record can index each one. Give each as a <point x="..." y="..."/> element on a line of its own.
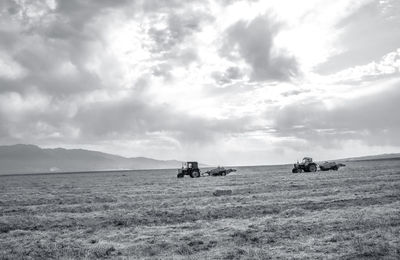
<point x="327" y="166"/>
<point x="220" y="171"/>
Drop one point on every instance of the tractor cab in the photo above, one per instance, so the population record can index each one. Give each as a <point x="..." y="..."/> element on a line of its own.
<point x="190" y="165"/>
<point x="307" y="160"/>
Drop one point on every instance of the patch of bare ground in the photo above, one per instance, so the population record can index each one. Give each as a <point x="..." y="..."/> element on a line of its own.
<point x="270" y="214"/>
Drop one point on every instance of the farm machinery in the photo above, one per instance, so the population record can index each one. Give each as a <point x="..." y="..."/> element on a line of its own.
<point x="189" y="168"/>
<point x="192" y="169"/>
<point x="308" y="165"/>
<point x="326" y="166"/>
<point x="219" y="171"/>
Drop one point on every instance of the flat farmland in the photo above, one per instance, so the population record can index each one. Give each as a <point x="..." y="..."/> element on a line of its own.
<point x="270" y="214"/>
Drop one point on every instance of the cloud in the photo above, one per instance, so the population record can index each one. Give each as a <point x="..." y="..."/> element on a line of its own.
<point x="388" y="66"/>
<point x="35" y="117"/>
<point x="132" y="116"/>
<point x="294" y="92"/>
<point x="230" y="74"/>
<point x="52" y="45"/>
<point x="366" y="34"/>
<point x="254" y="42"/>
<point x="173" y="36"/>
<point x="38" y="118"/>
<point x="58" y="53"/>
<point x="369" y="118"/>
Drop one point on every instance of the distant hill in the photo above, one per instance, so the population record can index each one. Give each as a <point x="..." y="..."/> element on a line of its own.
<point x="22" y="158"/>
<point x="386" y="156"/>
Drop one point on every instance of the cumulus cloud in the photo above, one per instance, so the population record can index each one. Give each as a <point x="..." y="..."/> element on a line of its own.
<point x="254" y="42"/>
<point x="388" y="66"/>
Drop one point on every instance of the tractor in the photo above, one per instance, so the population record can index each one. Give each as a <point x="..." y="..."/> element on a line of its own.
<point x="189" y="168"/>
<point x="307" y="165"/>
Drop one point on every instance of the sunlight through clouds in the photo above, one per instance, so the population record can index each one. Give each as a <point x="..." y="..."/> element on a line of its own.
<point x="165" y="79"/>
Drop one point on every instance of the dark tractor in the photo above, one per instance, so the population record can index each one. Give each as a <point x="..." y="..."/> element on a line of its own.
<point x="307" y="165"/>
<point x="189" y="168"/>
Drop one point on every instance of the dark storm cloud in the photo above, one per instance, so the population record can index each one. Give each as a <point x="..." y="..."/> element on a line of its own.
<point x="371" y="119"/>
<point x="254" y="43"/>
<point x="368" y="34"/>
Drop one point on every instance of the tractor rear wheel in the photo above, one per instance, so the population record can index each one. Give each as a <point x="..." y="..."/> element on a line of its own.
<point x="312" y="168"/>
<point x="195" y="174"/>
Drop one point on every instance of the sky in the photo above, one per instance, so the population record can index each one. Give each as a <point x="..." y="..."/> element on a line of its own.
<point x="220" y="82"/>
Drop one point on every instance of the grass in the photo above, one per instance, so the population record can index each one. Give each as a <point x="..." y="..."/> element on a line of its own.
<point x="270" y="214"/>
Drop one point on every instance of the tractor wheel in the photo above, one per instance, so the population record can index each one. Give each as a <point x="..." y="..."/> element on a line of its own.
<point x="195" y="174"/>
<point x="294" y="170"/>
<point x="312" y="168"/>
<point x="223" y="173"/>
<point x="179" y="175"/>
<point x="335" y="168"/>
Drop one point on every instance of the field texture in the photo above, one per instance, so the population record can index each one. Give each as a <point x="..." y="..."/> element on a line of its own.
<point x="271" y="213"/>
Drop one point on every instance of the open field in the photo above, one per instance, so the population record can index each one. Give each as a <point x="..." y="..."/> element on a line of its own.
<point x="271" y="213"/>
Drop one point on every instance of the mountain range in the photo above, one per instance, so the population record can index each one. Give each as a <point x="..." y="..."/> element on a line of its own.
<point x="23" y="158"/>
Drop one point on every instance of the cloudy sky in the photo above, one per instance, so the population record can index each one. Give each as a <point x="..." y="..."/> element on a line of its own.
<point x="222" y="82"/>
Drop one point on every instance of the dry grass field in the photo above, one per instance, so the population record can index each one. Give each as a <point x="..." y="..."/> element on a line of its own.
<point x="271" y="213"/>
